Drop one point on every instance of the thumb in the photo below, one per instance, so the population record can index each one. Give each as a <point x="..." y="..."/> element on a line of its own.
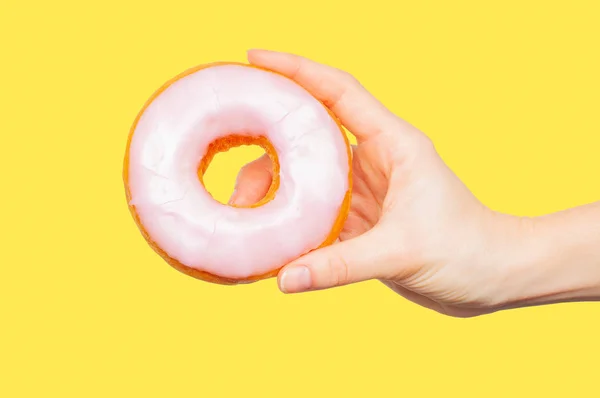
<point x="253" y="182"/>
<point x="359" y="259"/>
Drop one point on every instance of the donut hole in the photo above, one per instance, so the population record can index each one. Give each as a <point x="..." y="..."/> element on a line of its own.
<point x="225" y="158"/>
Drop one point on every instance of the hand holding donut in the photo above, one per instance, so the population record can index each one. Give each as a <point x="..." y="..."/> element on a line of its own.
<point x="415" y="226"/>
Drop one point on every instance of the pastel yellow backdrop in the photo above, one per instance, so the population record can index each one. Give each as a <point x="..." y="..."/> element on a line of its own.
<point x="507" y="90"/>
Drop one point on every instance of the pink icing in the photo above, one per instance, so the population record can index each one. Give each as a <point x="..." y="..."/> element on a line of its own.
<point x="172" y="137"/>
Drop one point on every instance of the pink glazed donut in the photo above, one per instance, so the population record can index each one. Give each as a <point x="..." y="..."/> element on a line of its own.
<point x="209" y="109"/>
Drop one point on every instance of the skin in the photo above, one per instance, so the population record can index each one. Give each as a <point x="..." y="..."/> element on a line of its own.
<point x="417" y="228"/>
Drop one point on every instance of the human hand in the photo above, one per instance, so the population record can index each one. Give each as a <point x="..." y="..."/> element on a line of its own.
<point x="412" y="224"/>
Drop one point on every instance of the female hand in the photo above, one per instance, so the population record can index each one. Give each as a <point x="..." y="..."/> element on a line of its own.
<point x="412" y="224"/>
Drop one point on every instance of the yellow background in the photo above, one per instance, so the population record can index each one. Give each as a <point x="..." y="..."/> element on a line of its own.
<point x="509" y="91"/>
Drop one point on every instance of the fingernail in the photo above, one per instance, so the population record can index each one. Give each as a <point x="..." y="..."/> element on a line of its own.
<point x="295" y="279"/>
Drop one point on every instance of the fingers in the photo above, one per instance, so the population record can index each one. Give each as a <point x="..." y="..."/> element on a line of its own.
<point x="356" y="108"/>
<point x="362" y="258"/>
<point x="253" y="182"/>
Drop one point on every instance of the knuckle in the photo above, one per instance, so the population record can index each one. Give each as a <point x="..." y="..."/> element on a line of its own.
<point x="257" y="165"/>
<point x="298" y="68"/>
<point x="348" y="78"/>
<point x="338" y="271"/>
<point x="426" y="143"/>
<point x="265" y="163"/>
<point x="345" y="83"/>
<point x="245" y="169"/>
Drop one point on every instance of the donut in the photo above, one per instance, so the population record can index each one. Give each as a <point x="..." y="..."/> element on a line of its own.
<point x="209" y="109"/>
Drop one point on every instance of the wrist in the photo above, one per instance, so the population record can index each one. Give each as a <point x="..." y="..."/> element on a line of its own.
<point x="549" y="259"/>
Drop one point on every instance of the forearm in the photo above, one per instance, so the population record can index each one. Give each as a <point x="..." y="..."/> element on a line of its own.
<point x="556" y="258"/>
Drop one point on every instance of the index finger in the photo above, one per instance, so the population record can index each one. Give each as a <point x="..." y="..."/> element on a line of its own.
<point x="357" y="109"/>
